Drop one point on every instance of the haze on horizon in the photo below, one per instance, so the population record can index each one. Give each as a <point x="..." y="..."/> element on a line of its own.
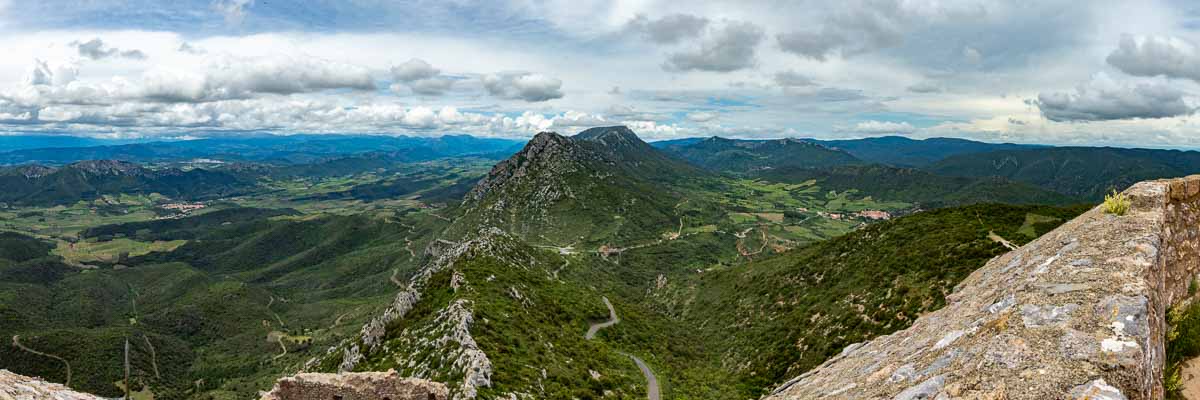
<point x="1050" y="72"/>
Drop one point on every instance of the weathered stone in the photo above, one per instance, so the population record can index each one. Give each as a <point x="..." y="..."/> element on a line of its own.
<point x="19" y="387"/>
<point x="1037" y="317"/>
<point x="926" y="390"/>
<point x="1091" y="297"/>
<point x="356" y="386"/>
<point x="1096" y="390"/>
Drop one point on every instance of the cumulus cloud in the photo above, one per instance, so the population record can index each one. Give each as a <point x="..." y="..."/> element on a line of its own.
<point x="414" y="69"/>
<point x="526" y="86"/>
<point x="790" y="78"/>
<point x="221" y="79"/>
<point x="670" y="29"/>
<point x="95" y="49"/>
<point x="724" y="49"/>
<point x="421" y="77"/>
<point x="881" y="127"/>
<point x="1103" y="98"/>
<point x="1172" y="57"/>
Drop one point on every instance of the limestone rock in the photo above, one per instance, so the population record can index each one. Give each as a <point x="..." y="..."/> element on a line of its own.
<point x="355" y="386"/>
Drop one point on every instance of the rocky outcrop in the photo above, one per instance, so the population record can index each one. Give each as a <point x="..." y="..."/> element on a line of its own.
<point x="1078" y="313"/>
<point x="355" y="386"/>
<point x="20" y="387"/>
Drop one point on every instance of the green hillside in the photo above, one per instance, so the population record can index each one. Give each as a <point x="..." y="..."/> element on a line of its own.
<point x="1083" y="172"/>
<point x="744" y="156"/>
<point x="919" y="186"/>
<point x="90" y="180"/>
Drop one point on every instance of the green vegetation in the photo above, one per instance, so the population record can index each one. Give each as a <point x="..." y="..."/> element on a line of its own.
<point x="1183" y="344"/>
<point x="744" y="156"/>
<point x="1116" y="203"/>
<point x="1081" y="172"/>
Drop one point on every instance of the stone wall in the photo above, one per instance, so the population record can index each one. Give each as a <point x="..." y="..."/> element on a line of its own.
<point x="1078" y="313"/>
<point x="355" y="386"/>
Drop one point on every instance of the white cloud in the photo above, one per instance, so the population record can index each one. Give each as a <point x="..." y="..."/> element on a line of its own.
<point x="414" y="69"/>
<point x="792" y="78"/>
<point x="1168" y="56"/>
<point x="1103" y="98"/>
<point x="881" y="127"/>
<point x="526" y="86"/>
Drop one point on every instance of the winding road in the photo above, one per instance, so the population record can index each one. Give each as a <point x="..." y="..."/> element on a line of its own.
<point x="651" y="381"/>
<point x="16" y="341"/>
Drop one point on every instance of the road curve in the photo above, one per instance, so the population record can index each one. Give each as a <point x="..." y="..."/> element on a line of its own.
<point x="652" y="392"/>
<point x="596" y="327"/>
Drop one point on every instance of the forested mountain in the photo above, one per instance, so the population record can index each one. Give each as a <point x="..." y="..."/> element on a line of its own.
<point x="744" y="156"/>
<point x="1083" y="172"/>
<point x="89" y="180"/>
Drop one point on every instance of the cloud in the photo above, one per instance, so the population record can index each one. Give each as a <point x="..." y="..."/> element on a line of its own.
<point x="925" y="87"/>
<point x="421" y="77"/>
<point x="670" y="29"/>
<point x="726" y="49"/>
<point x="1168" y="56"/>
<point x="702" y="116"/>
<point x="223" y="78"/>
<point x="186" y="47"/>
<point x="1102" y="99"/>
<point x="881" y="127"/>
<point x="414" y="69"/>
<point x="526" y="86"/>
<point x="95" y="49"/>
<point x="233" y="11"/>
<point x="792" y="78"/>
<point x="972" y="55"/>
<point x="861" y="27"/>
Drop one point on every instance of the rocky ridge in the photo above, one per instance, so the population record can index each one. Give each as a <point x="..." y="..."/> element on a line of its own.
<point x="1078" y="313"/>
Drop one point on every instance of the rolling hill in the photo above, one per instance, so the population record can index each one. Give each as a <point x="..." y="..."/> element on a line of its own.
<point x="89" y="180"/>
<point x="745" y="156"/>
<point x="1083" y="172"/>
<point x="902" y="151"/>
<point x="917" y="186"/>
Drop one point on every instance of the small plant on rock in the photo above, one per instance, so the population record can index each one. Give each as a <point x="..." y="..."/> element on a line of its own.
<point x="1116" y="203"/>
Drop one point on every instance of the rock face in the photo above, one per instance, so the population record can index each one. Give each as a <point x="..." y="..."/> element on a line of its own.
<point x="1078" y="313"/>
<point x="355" y="386"/>
<point x="20" y="387"/>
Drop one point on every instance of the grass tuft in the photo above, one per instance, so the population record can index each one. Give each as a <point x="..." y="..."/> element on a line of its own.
<point x="1116" y="203"/>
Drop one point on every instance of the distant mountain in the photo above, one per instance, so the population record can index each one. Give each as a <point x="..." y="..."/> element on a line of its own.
<point x="902" y="151"/>
<point x="744" y="156"/>
<point x="601" y="184"/>
<point x="89" y="180"/>
<point x="924" y="188"/>
<point x="280" y="149"/>
<point x="1083" y="172"/>
<point x="22" y="142"/>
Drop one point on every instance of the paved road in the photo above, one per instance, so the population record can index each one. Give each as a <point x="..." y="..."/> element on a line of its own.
<point x="651" y="381"/>
<point x="612" y="320"/>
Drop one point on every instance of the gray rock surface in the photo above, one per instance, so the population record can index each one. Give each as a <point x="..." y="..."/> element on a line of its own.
<point x="1078" y="313"/>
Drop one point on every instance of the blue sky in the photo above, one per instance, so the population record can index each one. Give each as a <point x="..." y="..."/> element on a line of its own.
<point x="1054" y="72"/>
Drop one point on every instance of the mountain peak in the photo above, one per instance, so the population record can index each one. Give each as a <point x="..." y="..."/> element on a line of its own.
<point x="609" y="134"/>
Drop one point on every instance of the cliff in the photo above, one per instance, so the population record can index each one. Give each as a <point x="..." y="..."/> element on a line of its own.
<point x="1078" y="313"/>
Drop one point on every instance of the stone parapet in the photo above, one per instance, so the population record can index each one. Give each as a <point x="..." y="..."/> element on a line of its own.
<point x="1078" y="313"/>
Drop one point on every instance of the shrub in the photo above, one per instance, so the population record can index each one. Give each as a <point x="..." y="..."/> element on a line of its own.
<point x="1116" y="203"/>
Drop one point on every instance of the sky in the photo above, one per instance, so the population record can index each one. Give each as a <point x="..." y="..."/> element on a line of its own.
<point x="1121" y="73"/>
